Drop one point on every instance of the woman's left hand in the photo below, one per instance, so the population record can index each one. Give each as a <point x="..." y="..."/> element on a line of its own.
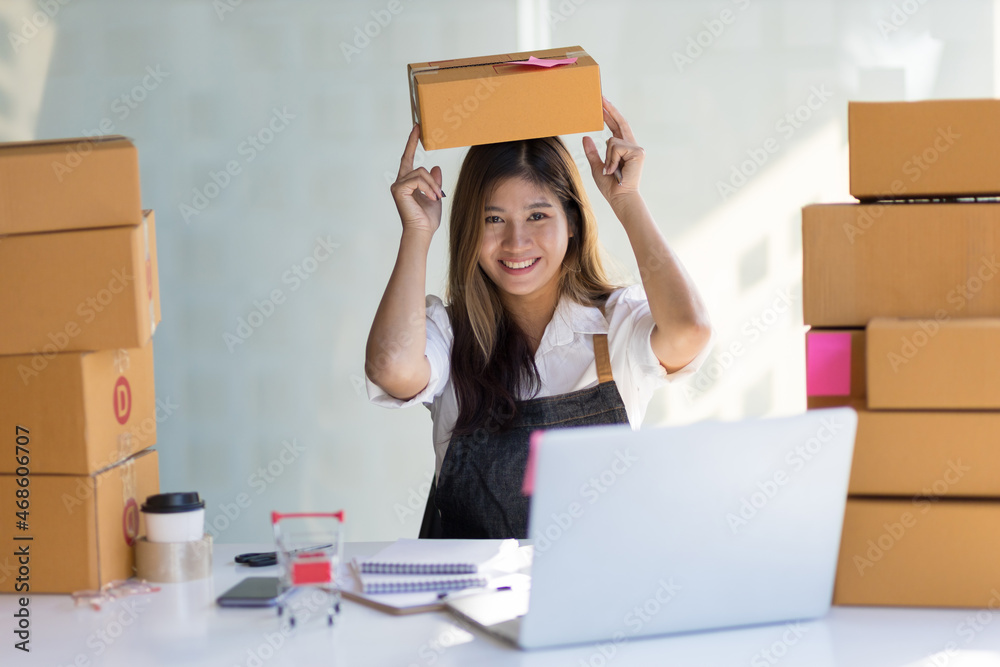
<point x="622" y="153"/>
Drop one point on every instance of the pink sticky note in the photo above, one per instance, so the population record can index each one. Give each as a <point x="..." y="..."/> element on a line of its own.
<point x="828" y="364"/>
<point x="544" y="62"/>
<point x="528" y="486"/>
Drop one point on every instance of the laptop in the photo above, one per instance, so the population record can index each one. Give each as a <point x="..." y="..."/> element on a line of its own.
<point x="678" y="529"/>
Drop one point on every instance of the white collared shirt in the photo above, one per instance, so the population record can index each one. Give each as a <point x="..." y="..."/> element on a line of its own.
<point x="565" y="359"/>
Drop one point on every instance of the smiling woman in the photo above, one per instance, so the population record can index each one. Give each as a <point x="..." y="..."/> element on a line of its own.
<point x="534" y="335"/>
<point x="514" y="203"/>
<point x="523" y="248"/>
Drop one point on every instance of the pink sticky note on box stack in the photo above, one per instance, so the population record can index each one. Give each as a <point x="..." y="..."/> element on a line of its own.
<point x="828" y="363"/>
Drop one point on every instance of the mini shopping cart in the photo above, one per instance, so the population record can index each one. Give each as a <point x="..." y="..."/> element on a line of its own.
<point x="309" y="547"/>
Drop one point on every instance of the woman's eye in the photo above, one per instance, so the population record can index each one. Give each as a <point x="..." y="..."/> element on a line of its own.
<point x="493" y="218"/>
<point x="541" y="216"/>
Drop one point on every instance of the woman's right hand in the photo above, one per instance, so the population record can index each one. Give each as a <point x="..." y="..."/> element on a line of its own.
<point x="417" y="192"/>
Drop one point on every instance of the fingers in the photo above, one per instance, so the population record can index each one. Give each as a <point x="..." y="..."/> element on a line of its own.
<point x="616" y="121"/>
<point x="622" y="156"/>
<point x="590" y="150"/>
<point x="596" y="163"/>
<point x="612" y="124"/>
<point x="427" y="185"/>
<point x="612" y="157"/>
<point x="410" y="180"/>
<point x="406" y="162"/>
<point x="419" y="181"/>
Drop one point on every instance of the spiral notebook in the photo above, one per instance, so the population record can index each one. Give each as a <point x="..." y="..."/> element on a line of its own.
<point x="436" y="557"/>
<point x="377" y="584"/>
<point x="462" y="566"/>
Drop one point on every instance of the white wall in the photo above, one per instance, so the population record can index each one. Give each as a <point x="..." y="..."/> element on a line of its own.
<point x="325" y="175"/>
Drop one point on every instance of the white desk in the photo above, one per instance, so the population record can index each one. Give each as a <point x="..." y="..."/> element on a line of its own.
<point x="182" y="625"/>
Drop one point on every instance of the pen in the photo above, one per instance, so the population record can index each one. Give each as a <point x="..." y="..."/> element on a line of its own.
<point x="618" y="175"/>
<point x="446" y="594"/>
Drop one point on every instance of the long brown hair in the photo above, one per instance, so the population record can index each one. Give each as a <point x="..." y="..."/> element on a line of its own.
<point x="491" y="359"/>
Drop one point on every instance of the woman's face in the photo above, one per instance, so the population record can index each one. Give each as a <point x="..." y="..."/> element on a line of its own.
<point x="525" y="239"/>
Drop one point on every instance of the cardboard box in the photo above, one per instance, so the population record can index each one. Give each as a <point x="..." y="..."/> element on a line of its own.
<point x="82" y="528"/>
<point x="486" y="100"/>
<point x="919" y="553"/>
<point x="83" y="410"/>
<point x="91" y="289"/>
<point x="835" y="367"/>
<point x="899" y="260"/>
<point x="936" y="148"/>
<point x="68" y="184"/>
<point x="949" y="364"/>
<point x="927" y="453"/>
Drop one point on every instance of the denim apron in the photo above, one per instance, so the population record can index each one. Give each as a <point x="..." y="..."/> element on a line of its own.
<point x="478" y="491"/>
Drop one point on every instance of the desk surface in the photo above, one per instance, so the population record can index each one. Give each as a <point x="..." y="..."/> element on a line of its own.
<point x="182" y="625"/>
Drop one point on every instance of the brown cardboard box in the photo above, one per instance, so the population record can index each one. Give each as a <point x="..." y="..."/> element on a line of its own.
<point x="919" y="553"/>
<point x="934" y="148"/>
<point x="940" y="453"/>
<point x="949" y="364"/>
<point x="92" y="289"/>
<point x="84" y="410"/>
<point x="68" y="184"/>
<point x="835" y="375"/>
<point x="485" y="100"/>
<point x="899" y="260"/>
<point x="82" y="528"/>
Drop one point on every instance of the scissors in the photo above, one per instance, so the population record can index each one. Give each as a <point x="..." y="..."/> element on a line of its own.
<point x="258" y="559"/>
<point x="266" y="558"/>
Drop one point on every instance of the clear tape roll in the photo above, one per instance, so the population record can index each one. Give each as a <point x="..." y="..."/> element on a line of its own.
<point x="173" y="562"/>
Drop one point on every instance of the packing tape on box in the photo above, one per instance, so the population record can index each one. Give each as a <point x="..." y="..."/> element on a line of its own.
<point x="130" y="507"/>
<point x="434" y="69"/>
<point x="413" y="86"/>
<point x="149" y="274"/>
<point x="173" y="562"/>
<point x="121" y="361"/>
<point x="127" y="473"/>
<point x="124" y="446"/>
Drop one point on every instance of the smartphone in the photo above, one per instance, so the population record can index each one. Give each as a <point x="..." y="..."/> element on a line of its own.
<point x="251" y="592"/>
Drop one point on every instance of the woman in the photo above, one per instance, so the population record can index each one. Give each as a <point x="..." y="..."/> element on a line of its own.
<point x="534" y="335"/>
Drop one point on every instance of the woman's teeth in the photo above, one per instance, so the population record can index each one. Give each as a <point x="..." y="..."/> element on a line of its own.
<point x="519" y="265"/>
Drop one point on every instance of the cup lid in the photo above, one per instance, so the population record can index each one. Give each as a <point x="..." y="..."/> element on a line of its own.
<point x="169" y="503"/>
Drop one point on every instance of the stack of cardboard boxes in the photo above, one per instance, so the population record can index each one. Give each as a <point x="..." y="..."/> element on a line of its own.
<point x="79" y="303"/>
<point x="903" y="300"/>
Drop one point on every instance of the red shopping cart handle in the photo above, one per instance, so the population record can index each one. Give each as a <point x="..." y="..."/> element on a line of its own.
<point x="278" y="516"/>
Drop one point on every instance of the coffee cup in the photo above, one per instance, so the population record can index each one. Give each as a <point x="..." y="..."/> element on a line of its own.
<point x="174" y="517"/>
